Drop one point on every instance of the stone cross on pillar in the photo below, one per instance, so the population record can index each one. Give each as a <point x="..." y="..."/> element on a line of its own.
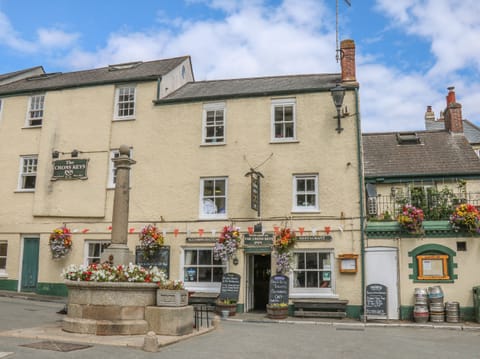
<point x="118" y="252"/>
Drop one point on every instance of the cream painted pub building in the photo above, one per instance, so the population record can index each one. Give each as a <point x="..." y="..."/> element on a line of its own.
<point x="194" y="143"/>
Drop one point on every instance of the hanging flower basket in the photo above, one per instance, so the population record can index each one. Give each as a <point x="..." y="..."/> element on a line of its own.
<point x="227" y="244"/>
<point x="283" y="243"/>
<point x="411" y="219"/>
<point x="150" y="240"/>
<point x="466" y="218"/>
<point x="60" y="242"/>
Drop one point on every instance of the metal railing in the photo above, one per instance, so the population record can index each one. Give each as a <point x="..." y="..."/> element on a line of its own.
<point x="436" y="206"/>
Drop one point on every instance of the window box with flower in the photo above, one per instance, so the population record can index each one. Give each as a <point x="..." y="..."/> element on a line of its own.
<point x="465" y="218"/>
<point x="227" y="244"/>
<point x="411" y="219"/>
<point x="60" y="242"/>
<point x="283" y="243"/>
<point x="171" y="293"/>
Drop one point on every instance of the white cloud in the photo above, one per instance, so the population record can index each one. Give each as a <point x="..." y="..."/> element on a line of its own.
<point x="54" y="38"/>
<point x="10" y="38"/>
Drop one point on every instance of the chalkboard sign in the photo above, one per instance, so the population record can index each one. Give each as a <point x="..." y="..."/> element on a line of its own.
<point x="278" y="291"/>
<point x="376" y="301"/>
<point x="230" y="287"/>
<point x="160" y="259"/>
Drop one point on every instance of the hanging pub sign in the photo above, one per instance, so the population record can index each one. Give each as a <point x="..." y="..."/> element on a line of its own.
<point x="74" y="168"/>
<point x="254" y="189"/>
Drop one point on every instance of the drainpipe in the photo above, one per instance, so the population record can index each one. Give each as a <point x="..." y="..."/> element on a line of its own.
<point x="362" y="206"/>
<point x="159" y="81"/>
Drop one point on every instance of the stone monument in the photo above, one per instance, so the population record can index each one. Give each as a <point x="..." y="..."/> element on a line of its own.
<point x="118" y="251"/>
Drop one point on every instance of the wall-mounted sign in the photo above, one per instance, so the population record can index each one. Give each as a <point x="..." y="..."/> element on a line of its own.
<point x="258" y="239"/>
<point x="201" y="239"/>
<point x="348" y="263"/>
<point x="314" y="238"/>
<point x="74" y="168"/>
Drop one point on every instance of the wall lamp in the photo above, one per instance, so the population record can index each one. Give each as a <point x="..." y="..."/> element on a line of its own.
<point x="338" y="93"/>
<point x="74" y="153"/>
<point x="55" y="154"/>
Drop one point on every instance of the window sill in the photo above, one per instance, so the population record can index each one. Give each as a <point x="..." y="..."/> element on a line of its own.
<point x="25" y="190"/>
<point x="3" y="275"/>
<point x="305" y="211"/>
<point x="30" y="127"/>
<point x="276" y="142"/>
<point x="213" y="144"/>
<point x="124" y="119"/>
<point x="433" y="281"/>
<point x="213" y="218"/>
<point x="312" y="295"/>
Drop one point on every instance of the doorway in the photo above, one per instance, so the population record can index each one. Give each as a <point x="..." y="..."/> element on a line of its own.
<point x="30" y="264"/>
<point x="381" y="266"/>
<point x="259" y="271"/>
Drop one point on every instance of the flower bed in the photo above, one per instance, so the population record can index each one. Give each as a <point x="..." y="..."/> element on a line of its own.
<point x="465" y="217"/>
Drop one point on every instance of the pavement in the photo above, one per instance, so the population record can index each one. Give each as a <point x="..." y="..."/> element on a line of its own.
<point x="52" y="331"/>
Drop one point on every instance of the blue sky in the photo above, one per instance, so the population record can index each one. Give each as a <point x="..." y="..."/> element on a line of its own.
<point x="408" y="51"/>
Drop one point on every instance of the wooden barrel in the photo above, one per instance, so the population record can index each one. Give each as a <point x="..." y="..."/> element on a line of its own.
<point x="452" y="312"/>
<point x="420" y="313"/>
<point x="421" y="296"/>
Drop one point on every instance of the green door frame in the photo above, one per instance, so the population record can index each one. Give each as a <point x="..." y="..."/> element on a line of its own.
<point x="29" y="279"/>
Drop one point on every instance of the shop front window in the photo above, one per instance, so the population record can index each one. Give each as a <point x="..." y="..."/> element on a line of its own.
<point x="312" y="272"/>
<point x="201" y="269"/>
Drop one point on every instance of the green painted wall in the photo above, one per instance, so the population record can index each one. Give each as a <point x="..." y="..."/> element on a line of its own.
<point x="8" y="284"/>
<point x="55" y="289"/>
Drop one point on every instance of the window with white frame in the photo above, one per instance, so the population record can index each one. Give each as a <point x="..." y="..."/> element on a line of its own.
<point x="36" y="105"/>
<point x="305" y="193"/>
<point x="213" y="197"/>
<point x="283" y="120"/>
<point x="200" y="269"/>
<point x="125" y="103"/>
<point x="112" y="173"/>
<point x="94" y="250"/>
<point x="3" y="256"/>
<point x="312" y="271"/>
<point x="28" y="172"/>
<point x="214" y="123"/>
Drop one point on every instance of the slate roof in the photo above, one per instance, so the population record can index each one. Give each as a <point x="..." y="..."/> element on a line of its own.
<point x="439" y="153"/>
<point x="140" y="71"/>
<point x="256" y="86"/>
<point x="471" y="131"/>
<point x="19" y="72"/>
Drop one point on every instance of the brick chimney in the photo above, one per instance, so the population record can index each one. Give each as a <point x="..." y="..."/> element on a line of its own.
<point x="347" y="55"/>
<point x="453" y="113"/>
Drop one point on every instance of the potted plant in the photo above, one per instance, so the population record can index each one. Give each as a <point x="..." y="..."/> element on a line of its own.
<point x="283" y="243"/>
<point x="229" y="305"/>
<point x="150" y="240"/>
<point x="277" y="310"/>
<point x="465" y="217"/>
<point x="227" y="243"/>
<point x="171" y="293"/>
<point x="411" y="219"/>
<point x="60" y="242"/>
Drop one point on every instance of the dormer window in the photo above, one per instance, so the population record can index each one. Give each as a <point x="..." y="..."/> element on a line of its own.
<point x="408" y="138"/>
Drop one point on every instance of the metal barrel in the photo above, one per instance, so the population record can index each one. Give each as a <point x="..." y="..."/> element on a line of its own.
<point x="452" y="312"/>
<point x="435" y="294"/>
<point x="420" y="313"/>
<point x="421" y="296"/>
<point x="437" y="312"/>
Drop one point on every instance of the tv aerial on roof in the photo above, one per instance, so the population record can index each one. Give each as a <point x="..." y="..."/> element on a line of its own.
<point x="338" y="51"/>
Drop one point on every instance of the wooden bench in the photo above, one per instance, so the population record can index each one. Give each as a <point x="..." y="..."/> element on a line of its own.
<point x="322" y="308"/>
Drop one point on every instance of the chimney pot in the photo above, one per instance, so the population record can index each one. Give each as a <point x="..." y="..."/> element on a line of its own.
<point x="451" y="95"/>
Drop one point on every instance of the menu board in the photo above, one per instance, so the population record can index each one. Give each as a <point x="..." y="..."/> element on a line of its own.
<point x="376" y="300"/>
<point x="160" y="259"/>
<point x="230" y="287"/>
<point x="278" y="291"/>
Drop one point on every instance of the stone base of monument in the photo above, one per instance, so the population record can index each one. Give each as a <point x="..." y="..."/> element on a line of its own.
<point x="170" y="320"/>
<point x="105" y="308"/>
